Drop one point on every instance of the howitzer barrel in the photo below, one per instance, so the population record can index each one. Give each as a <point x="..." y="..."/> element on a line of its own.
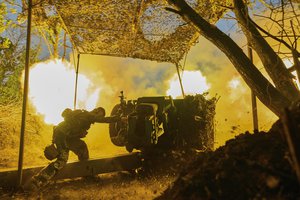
<point x="111" y="119"/>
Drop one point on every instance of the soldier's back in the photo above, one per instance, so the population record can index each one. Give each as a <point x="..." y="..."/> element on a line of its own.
<point x="79" y="120"/>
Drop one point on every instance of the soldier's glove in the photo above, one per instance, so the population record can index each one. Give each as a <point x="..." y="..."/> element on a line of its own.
<point x="51" y="152"/>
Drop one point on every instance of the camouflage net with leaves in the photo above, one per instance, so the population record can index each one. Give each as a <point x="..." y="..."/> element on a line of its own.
<point x="200" y="134"/>
<point x="131" y="28"/>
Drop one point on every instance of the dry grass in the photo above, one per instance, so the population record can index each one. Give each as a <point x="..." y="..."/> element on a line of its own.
<point x="10" y="123"/>
<point x="121" y="185"/>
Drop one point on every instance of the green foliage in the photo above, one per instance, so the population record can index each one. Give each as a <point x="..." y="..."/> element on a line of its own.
<point x="10" y="88"/>
<point x="12" y="56"/>
<point x="4" y="42"/>
<point x="10" y="73"/>
<point x="4" y="21"/>
<point x="12" y="61"/>
<point x="3" y="12"/>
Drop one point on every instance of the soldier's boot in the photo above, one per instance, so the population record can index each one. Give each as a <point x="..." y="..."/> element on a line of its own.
<point x="31" y="186"/>
<point x="41" y="179"/>
<point x="34" y="184"/>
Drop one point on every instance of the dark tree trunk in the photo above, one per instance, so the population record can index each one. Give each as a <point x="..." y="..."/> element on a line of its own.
<point x="262" y="88"/>
<point x="271" y="61"/>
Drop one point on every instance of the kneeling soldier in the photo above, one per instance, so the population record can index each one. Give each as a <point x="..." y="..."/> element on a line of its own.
<point x="67" y="136"/>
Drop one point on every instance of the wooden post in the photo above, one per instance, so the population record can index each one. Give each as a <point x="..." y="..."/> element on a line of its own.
<point x="76" y="81"/>
<point x="25" y="96"/>
<point x="253" y="97"/>
<point x="180" y="81"/>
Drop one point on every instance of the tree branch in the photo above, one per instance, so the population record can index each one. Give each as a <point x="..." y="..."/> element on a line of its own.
<point x="271" y="61"/>
<point x="264" y="90"/>
<point x="173" y="10"/>
<point x="272" y="36"/>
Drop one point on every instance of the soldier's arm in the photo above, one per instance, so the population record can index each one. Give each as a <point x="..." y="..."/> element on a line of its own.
<point x="111" y="119"/>
<point x="62" y="140"/>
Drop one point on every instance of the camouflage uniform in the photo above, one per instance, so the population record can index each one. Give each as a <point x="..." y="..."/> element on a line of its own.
<point x="66" y="136"/>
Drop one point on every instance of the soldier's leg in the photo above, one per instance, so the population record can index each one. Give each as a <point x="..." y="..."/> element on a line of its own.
<point x="79" y="147"/>
<point x="47" y="173"/>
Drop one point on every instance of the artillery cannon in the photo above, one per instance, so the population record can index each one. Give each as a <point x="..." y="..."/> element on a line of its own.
<point x="163" y="123"/>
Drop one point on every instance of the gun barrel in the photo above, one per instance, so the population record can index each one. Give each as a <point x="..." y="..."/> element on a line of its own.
<point x="111" y="119"/>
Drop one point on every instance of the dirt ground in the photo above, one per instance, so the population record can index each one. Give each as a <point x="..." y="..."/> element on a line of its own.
<point x="251" y="166"/>
<point x="119" y="185"/>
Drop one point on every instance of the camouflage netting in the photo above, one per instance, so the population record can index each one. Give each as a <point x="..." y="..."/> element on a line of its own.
<point x="131" y="28"/>
<point x="193" y="137"/>
<point x="199" y="135"/>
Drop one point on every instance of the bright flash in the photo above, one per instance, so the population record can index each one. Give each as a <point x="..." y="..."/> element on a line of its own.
<point x="234" y="83"/>
<point x="236" y="90"/>
<point x="193" y="83"/>
<point x="51" y="89"/>
<point x="288" y="63"/>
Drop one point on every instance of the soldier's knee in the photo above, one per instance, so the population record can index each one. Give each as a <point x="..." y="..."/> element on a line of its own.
<point x="83" y="152"/>
<point x="59" y="164"/>
<point x="83" y="155"/>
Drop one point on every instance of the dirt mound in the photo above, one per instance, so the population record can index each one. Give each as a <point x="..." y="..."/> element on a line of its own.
<point x="251" y="166"/>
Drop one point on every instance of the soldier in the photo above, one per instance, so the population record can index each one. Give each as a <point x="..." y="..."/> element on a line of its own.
<point x="67" y="136"/>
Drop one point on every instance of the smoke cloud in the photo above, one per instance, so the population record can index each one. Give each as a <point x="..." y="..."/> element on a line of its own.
<point x="139" y="78"/>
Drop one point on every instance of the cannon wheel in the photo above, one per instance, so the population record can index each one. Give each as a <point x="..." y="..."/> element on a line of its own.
<point x="114" y="128"/>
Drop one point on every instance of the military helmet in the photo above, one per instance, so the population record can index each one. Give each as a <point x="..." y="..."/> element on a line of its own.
<point x="66" y="112"/>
